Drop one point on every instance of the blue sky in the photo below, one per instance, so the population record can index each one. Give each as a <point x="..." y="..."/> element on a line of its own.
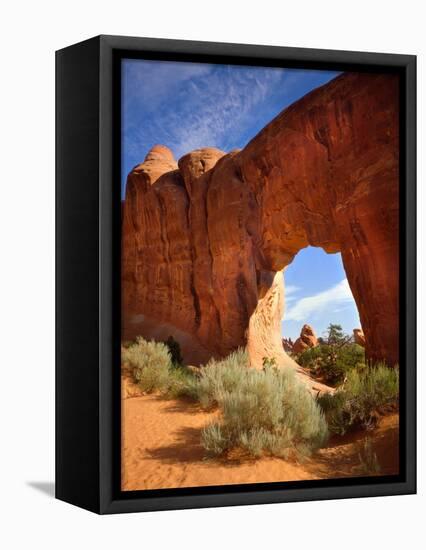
<point x="317" y="292"/>
<point x="189" y="105"/>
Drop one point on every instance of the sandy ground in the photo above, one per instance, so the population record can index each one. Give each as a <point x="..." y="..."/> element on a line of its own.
<point x="161" y="449"/>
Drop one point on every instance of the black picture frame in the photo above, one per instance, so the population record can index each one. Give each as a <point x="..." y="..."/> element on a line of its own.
<point x="88" y="220"/>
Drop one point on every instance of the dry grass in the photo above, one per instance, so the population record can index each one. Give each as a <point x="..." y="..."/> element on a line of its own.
<point x="363" y="395"/>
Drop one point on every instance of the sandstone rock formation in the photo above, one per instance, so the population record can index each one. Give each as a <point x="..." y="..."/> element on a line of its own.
<point x="288" y="344"/>
<point x="205" y="241"/>
<point x="306" y="340"/>
<point x="359" y="337"/>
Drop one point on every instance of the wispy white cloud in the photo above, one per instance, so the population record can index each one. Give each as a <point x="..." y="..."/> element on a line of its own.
<point x="191" y="106"/>
<point x="291" y="289"/>
<point x="291" y="292"/>
<point x="335" y="297"/>
<point x="152" y="82"/>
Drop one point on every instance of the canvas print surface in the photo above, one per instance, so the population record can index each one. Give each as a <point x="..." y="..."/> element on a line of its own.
<point x="259" y="276"/>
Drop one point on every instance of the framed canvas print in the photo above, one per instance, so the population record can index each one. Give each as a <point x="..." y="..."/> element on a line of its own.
<point x="235" y="274"/>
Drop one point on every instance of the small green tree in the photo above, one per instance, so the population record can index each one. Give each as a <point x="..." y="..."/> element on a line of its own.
<point x="334" y="357"/>
<point x="335" y="335"/>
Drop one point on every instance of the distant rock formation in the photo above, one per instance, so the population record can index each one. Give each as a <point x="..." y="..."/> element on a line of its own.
<point x="288" y="344"/>
<point x="205" y="240"/>
<point x="359" y="337"/>
<point x="306" y="340"/>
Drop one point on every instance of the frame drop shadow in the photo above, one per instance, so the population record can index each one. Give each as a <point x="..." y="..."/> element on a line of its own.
<point x="46" y="487"/>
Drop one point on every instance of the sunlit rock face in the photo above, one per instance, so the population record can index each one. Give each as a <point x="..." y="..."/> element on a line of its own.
<point x="359" y="337"/>
<point x="204" y="239"/>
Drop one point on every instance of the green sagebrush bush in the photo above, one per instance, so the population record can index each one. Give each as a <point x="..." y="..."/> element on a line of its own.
<point x="333" y="362"/>
<point x="220" y="377"/>
<point x="267" y="411"/>
<point x="364" y="394"/>
<point x="154" y="370"/>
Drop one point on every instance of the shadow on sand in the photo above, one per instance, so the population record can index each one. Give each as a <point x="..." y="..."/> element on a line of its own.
<point x="187" y="449"/>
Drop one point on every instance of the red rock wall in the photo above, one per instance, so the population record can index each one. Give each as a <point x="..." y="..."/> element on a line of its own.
<point x="202" y="241"/>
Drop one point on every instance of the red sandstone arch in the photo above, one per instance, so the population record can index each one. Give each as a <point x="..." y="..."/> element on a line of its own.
<point x="203" y="240"/>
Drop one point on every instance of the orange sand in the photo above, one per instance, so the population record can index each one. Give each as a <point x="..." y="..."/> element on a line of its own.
<point x="161" y="449"/>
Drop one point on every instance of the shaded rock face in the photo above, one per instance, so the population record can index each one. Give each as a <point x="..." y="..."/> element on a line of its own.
<point x="306" y="340"/>
<point x="205" y="241"/>
<point x="359" y="337"/>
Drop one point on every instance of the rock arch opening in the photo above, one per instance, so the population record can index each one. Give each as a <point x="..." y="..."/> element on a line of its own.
<point x="317" y="293"/>
<point x="311" y="290"/>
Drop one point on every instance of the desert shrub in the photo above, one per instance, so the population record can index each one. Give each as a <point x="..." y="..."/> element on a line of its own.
<point x="174" y="350"/>
<point x="127" y="343"/>
<point x="220" y="377"/>
<point x="335" y="355"/>
<point x="369" y="463"/>
<point x="364" y="395"/>
<point x="312" y="357"/>
<point x="269" y="362"/>
<point x="181" y="384"/>
<point x="332" y="362"/>
<point x="153" y="369"/>
<point x="267" y="411"/>
<point x="140" y="353"/>
<point x="150" y="361"/>
<point x="213" y="440"/>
